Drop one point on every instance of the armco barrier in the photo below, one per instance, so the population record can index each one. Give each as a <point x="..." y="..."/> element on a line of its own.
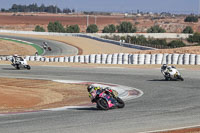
<point x="121" y="58"/>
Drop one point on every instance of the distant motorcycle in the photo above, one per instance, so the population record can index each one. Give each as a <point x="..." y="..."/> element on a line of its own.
<point x="20" y="63"/>
<point x="108" y="99"/>
<point x="171" y="73"/>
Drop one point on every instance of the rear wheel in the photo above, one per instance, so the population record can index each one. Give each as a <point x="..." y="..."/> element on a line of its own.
<point x="17" y="67"/>
<point x="102" y="104"/>
<point x="120" y="102"/>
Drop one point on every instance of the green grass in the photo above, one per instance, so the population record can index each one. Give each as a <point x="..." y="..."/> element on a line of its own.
<point x="38" y="48"/>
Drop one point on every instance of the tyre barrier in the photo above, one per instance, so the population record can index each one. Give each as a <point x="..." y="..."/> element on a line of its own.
<point x="121" y="58"/>
<point x="147" y="59"/>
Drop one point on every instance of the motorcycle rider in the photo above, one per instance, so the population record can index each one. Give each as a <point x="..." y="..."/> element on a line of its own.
<point x="93" y="91"/>
<point x="14" y="58"/>
<point x="166" y="70"/>
<point x="45" y="45"/>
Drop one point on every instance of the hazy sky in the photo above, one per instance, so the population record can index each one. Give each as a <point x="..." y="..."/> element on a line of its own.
<point x="174" y="6"/>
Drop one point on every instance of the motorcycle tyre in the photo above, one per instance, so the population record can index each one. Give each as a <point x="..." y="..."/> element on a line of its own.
<point x="100" y="106"/>
<point x="17" y="67"/>
<point x="28" y="67"/>
<point x="120" y="102"/>
<point x="180" y="78"/>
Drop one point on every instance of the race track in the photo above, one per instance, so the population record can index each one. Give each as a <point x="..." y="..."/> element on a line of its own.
<point x="58" y="48"/>
<point x="164" y="105"/>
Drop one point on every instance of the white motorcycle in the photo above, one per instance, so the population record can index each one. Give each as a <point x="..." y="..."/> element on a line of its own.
<point x="20" y="63"/>
<point x="171" y="73"/>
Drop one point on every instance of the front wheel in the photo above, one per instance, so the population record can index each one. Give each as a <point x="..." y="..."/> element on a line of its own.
<point x="120" y="103"/>
<point x="28" y="67"/>
<point x="102" y="104"/>
<point x="179" y="77"/>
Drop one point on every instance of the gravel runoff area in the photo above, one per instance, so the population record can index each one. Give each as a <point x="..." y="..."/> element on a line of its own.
<point x="18" y="95"/>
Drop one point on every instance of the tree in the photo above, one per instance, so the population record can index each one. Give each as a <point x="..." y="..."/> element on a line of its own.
<point x="92" y="28"/>
<point x="188" y="29"/>
<point x="39" y="29"/>
<point x="109" y="29"/>
<point x="176" y="43"/>
<point x="191" y="19"/>
<point x="73" y="29"/>
<point x="155" y="29"/>
<point x="126" y="27"/>
<point x="55" y="27"/>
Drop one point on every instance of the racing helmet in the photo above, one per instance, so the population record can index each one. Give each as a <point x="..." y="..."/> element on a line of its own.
<point x="15" y="55"/>
<point x="90" y="88"/>
<point x="164" y="66"/>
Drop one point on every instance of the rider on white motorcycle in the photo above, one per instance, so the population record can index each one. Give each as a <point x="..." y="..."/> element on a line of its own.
<point x="167" y="70"/>
<point x="19" y="62"/>
<point x="170" y="72"/>
<point x="14" y="58"/>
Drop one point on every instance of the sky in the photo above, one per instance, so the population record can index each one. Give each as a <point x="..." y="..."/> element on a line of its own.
<point x="172" y="6"/>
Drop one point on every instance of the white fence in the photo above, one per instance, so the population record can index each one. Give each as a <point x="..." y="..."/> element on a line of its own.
<point x="122" y="58"/>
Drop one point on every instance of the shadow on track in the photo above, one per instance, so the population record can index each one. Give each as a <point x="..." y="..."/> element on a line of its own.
<point x="9" y="69"/>
<point x="162" y="80"/>
<point x="85" y="108"/>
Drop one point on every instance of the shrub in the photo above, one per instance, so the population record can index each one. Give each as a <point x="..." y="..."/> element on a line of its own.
<point x="176" y="43"/>
<point x="92" y="28"/>
<point x="55" y="27"/>
<point x="191" y="19"/>
<point x="188" y="29"/>
<point x="39" y="29"/>
<point x="126" y="27"/>
<point x="72" y="29"/>
<point x="194" y="38"/>
<point x="109" y="29"/>
<point x="156" y="29"/>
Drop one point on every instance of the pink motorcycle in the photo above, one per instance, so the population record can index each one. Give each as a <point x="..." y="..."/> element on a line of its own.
<point x="107" y="99"/>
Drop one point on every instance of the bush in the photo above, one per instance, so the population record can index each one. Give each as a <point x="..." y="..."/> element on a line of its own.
<point x="188" y="29"/>
<point x="194" y="38"/>
<point x="39" y="29"/>
<point x="73" y="29"/>
<point x="126" y="27"/>
<point x="191" y="19"/>
<point x="109" y="29"/>
<point x="176" y="43"/>
<point x="55" y="27"/>
<point x="92" y="28"/>
<point x="156" y="29"/>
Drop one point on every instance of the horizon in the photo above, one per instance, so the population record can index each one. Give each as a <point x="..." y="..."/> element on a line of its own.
<point x="126" y="6"/>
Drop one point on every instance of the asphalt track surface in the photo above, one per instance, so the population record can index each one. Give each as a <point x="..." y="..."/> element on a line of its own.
<point x="58" y="48"/>
<point x="164" y="104"/>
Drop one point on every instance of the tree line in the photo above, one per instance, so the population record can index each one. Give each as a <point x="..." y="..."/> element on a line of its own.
<point x="123" y="27"/>
<point x="150" y="42"/>
<point x="35" y="8"/>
